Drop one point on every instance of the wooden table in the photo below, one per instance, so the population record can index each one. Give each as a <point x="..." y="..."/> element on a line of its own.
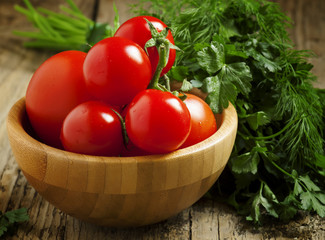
<point x="206" y="219"/>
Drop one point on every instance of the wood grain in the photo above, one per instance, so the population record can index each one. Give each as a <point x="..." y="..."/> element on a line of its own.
<point x="307" y="32"/>
<point x="207" y="219"/>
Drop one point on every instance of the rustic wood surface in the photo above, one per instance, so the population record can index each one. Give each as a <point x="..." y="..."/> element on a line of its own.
<point x="206" y="219"/>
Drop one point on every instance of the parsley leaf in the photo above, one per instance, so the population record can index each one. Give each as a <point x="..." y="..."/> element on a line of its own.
<point x="311" y="196"/>
<point x="245" y="163"/>
<point x="212" y="58"/>
<point x="288" y="207"/>
<point x="263" y="54"/>
<point x="314" y="201"/>
<point x="10" y="218"/>
<point x="240" y="75"/>
<point x="263" y="199"/>
<point x="178" y="73"/>
<point x="224" y="80"/>
<point x="220" y="93"/>
<point x="257" y="119"/>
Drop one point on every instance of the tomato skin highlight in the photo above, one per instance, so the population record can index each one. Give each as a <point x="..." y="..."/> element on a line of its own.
<point x="203" y="122"/>
<point x="137" y="30"/>
<point x="157" y="122"/>
<point x="116" y="69"/>
<point x="55" y="88"/>
<point x="92" y="128"/>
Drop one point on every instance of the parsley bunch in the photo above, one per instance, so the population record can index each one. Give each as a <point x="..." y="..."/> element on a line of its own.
<point x="240" y="51"/>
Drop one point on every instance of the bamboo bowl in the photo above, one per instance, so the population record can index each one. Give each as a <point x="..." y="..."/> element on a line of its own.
<point x="121" y="191"/>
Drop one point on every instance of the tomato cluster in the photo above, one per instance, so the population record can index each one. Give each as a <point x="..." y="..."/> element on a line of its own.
<point x="104" y="103"/>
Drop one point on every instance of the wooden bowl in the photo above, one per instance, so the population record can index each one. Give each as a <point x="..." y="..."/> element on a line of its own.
<point x="121" y="191"/>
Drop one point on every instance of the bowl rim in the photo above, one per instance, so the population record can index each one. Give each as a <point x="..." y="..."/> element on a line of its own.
<point x="18" y="113"/>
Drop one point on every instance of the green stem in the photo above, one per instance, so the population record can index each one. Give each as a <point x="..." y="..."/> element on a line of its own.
<point x="39" y="20"/>
<point x="275" y="134"/>
<point x="75" y="22"/>
<point x="73" y="6"/>
<point x="77" y="15"/>
<point x="281" y="169"/>
<point x="23" y="11"/>
<point x="56" y="31"/>
<point x="162" y="51"/>
<point x="54" y="45"/>
<point x="35" y="35"/>
<point x="167" y="81"/>
<point x="245" y="129"/>
<point x="63" y="25"/>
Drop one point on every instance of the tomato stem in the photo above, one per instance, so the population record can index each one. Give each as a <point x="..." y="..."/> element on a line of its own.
<point x="167" y="82"/>
<point x="163" y="50"/>
<point x="124" y="133"/>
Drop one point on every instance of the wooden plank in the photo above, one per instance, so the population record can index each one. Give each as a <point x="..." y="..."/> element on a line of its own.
<point x="214" y="220"/>
<point x="308" y="31"/>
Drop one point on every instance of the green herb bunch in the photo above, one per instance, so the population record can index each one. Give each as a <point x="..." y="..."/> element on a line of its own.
<point x="236" y="51"/>
<point x="240" y="51"/>
<point x="68" y="30"/>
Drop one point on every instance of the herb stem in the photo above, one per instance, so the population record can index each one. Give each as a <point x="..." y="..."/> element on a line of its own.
<point x="275" y="134"/>
<point x="74" y="6"/>
<point x="35" y="35"/>
<point x="56" y="31"/>
<point x="63" y="25"/>
<point x="75" y="22"/>
<point x="243" y="127"/>
<point x="23" y="11"/>
<point x="77" y="15"/>
<point x="54" y="45"/>
<point x="280" y="169"/>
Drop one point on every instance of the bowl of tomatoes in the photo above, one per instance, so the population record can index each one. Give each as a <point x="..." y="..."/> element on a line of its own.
<point x="99" y="137"/>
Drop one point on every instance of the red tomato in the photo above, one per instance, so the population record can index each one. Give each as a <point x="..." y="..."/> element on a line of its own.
<point x="56" y="87"/>
<point x="157" y="122"/>
<point x="137" y="30"/>
<point x="92" y="128"/>
<point x="202" y="119"/>
<point x="116" y="69"/>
